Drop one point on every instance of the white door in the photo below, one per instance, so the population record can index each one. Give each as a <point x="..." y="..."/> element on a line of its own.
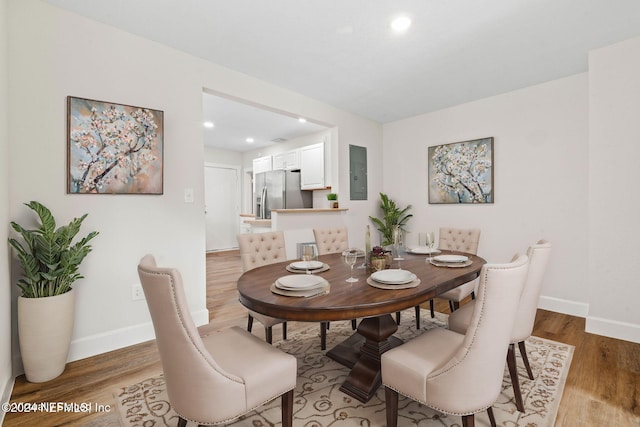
<point x="222" y="207"/>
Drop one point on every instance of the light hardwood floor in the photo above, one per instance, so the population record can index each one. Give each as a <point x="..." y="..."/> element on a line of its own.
<point x="603" y="386"/>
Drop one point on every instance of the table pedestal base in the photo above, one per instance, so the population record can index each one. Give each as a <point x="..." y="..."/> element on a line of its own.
<point x="361" y="352"/>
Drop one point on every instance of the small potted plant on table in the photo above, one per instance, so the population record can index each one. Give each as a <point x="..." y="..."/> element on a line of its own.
<point x="378" y="258"/>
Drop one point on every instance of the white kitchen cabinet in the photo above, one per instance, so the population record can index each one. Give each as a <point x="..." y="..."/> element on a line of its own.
<point x="262" y="164"/>
<point x="312" y="167"/>
<point x="286" y="161"/>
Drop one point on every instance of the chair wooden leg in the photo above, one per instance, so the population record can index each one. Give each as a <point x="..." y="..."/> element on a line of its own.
<point x="468" y="420"/>
<point x="391" y="401"/>
<point x="323" y="335"/>
<point x="354" y="324"/>
<point x="417" y="317"/>
<point x="454" y="305"/>
<point x="431" y="308"/>
<point x="287" y="409"/>
<point x="473" y="295"/>
<point x="492" y="418"/>
<point x="397" y="317"/>
<point x="268" y="334"/>
<point x="451" y="306"/>
<point x="525" y="358"/>
<point x="250" y="323"/>
<point x="284" y="331"/>
<point x="182" y="422"/>
<point x="513" y="372"/>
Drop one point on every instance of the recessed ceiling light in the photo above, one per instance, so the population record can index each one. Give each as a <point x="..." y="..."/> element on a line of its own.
<point x="208" y="125"/>
<point x="302" y="120"/>
<point x="249" y="140"/>
<point x="401" y="24"/>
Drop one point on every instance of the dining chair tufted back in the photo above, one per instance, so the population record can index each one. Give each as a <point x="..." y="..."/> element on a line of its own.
<point x="258" y="249"/>
<point x="456" y="239"/>
<point x="331" y="240"/>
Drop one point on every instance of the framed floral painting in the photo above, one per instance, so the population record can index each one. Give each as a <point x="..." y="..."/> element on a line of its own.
<point x="461" y="172"/>
<point x="113" y="148"/>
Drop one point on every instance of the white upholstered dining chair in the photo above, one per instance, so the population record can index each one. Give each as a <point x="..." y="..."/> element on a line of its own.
<point x="212" y="377"/>
<point x="454" y="373"/>
<point x="256" y="250"/>
<point x="523" y="326"/>
<point x="330" y="241"/>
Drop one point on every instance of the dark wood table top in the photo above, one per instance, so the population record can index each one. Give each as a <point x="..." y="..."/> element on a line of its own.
<point x="346" y="300"/>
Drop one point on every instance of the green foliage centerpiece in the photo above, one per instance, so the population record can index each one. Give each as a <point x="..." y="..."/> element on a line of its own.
<point x="392" y="216"/>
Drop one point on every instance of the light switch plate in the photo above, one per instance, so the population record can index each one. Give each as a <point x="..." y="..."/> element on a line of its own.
<point x="188" y="195"/>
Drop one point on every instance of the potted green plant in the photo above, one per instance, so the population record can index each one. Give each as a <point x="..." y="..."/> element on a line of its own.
<point x="392" y="216"/>
<point x="50" y="261"/>
<point x="378" y="258"/>
<point x="333" y="200"/>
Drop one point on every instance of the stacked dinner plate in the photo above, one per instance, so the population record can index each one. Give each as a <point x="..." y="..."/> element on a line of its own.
<point x="304" y="266"/>
<point x="393" y="279"/>
<point x="423" y="250"/>
<point x="451" y="261"/>
<point x="298" y="285"/>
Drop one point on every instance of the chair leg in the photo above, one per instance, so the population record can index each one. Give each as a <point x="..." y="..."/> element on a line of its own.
<point x="525" y="358"/>
<point x="451" y="306"/>
<point x="250" y="323"/>
<point x="417" y="317"/>
<point x="287" y="409"/>
<point x="431" y="308"/>
<point x="515" y="382"/>
<point x="468" y="420"/>
<point x="397" y="317"/>
<point x="182" y="422"/>
<point x="473" y="294"/>
<point x="354" y="324"/>
<point x="268" y="334"/>
<point x="284" y="331"/>
<point x="391" y="402"/>
<point x="323" y="335"/>
<point x="454" y="306"/>
<point x="492" y="418"/>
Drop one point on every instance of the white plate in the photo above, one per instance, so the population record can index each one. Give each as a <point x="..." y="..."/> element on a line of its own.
<point x="451" y="258"/>
<point x="393" y="276"/>
<point x="304" y="265"/>
<point x="424" y="250"/>
<point x="299" y="282"/>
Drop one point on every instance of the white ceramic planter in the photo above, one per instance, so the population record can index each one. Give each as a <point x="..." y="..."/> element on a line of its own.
<point x="44" y="329"/>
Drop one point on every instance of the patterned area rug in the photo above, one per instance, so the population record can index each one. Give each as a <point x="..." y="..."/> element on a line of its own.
<point x="318" y="402"/>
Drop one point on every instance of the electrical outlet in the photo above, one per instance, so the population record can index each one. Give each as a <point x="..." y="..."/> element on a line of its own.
<point x="136" y="292"/>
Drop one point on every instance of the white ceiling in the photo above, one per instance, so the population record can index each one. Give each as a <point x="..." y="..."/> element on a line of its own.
<point x="342" y="52"/>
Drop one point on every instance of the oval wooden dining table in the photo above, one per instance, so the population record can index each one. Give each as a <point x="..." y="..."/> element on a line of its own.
<point x="354" y="300"/>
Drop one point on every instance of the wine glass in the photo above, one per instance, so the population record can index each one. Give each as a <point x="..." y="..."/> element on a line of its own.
<point x="308" y="253"/>
<point x="397" y="244"/>
<point x="350" y="257"/>
<point x="430" y="240"/>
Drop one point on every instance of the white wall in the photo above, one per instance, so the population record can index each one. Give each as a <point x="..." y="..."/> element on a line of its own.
<point x="540" y="178"/>
<point x="6" y="378"/>
<point x="614" y="150"/>
<point x="55" y="53"/>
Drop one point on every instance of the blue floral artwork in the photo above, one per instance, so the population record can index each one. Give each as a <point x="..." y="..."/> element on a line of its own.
<point x="461" y="172"/>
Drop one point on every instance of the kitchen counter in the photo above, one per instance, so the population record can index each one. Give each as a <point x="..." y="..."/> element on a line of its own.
<point x="307" y="210"/>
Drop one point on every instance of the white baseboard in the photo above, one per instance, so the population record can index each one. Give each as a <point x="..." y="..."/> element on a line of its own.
<point x="573" y="308"/>
<point x="119" y="338"/>
<point x="613" y="329"/>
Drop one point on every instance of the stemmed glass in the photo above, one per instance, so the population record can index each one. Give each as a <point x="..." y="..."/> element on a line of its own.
<point x="397" y="244"/>
<point x="308" y="253"/>
<point x="350" y="257"/>
<point x="430" y="240"/>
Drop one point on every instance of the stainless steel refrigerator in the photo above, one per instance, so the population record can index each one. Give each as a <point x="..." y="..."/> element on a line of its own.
<point x="279" y="190"/>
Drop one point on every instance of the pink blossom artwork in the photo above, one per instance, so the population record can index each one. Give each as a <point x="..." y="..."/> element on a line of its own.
<point x="113" y="148"/>
<point x="461" y="172"/>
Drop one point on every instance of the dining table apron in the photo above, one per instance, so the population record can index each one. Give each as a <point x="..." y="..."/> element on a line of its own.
<point x="354" y="300"/>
